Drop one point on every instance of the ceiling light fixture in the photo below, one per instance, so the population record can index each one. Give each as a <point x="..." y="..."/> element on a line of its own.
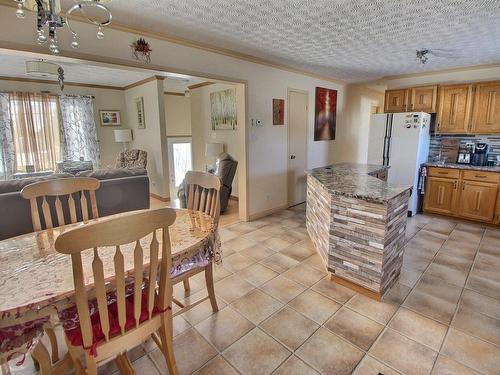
<point x="45" y="69"/>
<point x="422" y="55"/>
<point x="48" y="16"/>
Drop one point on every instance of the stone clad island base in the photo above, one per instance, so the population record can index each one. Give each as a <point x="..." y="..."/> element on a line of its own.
<point x="357" y="222"/>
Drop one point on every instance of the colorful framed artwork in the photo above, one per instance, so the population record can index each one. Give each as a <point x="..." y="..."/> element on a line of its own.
<point x="139" y="105"/>
<point x="278" y="112"/>
<point x="223" y="110"/>
<point x="325" y="117"/>
<point x="109" y="117"/>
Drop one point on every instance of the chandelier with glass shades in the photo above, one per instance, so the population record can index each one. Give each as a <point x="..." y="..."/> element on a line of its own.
<point x="50" y="19"/>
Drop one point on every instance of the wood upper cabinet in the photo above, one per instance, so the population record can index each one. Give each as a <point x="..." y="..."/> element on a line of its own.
<point x="477" y="200"/>
<point x="486" y="114"/>
<point x="441" y="195"/>
<point x="396" y="100"/>
<point x="423" y="99"/>
<point x="454" y="108"/>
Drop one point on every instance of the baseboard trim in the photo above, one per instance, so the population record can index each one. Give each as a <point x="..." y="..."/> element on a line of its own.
<point x="358" y="288"/>
<point x="159" y="198"/>
<point x="265" y="213"/>
<point x="234" y="198"/>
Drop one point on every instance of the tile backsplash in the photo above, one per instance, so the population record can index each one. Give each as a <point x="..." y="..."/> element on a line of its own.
<point x="492" y="140"/>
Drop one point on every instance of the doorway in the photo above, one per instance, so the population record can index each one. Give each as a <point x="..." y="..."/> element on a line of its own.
<point x="180" y="160"/>
<point x="298" y="101"/>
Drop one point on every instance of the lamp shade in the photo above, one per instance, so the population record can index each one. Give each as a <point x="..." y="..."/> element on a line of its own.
<point x="214" y="149"/>
<point x="123" y="135"/>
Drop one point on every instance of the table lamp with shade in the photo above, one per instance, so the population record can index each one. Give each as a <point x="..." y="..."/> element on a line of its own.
<point x="212" y="151"/>
<point x="123" y="136"/>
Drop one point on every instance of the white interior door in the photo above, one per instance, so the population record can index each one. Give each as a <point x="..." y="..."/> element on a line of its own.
<point x="180" y="160"/>
<point x="297" y="146"/>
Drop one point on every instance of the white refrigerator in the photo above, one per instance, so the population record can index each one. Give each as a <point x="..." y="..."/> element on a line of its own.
<point x="401" y="141"/>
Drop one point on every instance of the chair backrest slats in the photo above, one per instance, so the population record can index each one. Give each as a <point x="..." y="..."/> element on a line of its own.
<point x="46" y="213"/>
<point x="154" y="254"/>
<point x="59" y="210"/>
<point x="138" y="272"/>
<point x="100" y="291"/>
<point x="81" y="300"/>
<point x="120" y="288"/>
<point x="203" y="193"/>
<point x="58" y="188"/>
<point x="83" y="203"/>
<point x="123" y="234"/>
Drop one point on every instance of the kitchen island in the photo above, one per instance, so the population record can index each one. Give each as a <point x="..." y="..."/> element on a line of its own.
<point x="357" y="222"/>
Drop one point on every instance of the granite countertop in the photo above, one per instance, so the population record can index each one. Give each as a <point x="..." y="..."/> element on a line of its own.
<point x="356" y="181"/>
<point x="463" y="166"/>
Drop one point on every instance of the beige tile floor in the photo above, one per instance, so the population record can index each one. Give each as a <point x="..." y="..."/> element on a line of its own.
<point x="280" y="314"/>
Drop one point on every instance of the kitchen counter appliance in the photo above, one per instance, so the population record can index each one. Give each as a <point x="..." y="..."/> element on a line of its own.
<point x="480" y="156"/>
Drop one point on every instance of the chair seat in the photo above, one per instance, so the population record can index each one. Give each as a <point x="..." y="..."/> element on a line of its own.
<point x="71" y="324"/>
<point x="20" y="338"/>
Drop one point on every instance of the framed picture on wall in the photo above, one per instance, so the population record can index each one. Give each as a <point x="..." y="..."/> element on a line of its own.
<point x="139" y="105"/>
<point x="278" y="112"/>
<point x="223" y="110"/>
<point x="110" y="117"/>
<point x="325" y="119"/>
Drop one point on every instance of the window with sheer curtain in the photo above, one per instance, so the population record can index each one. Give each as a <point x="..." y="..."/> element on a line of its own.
<point x="35" y="129"/>
<point x="38" y="129"/>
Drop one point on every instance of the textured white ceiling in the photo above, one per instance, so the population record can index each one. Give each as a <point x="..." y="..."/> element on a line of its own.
<point x="354" y="40"/>
<point x="15" y="66"/>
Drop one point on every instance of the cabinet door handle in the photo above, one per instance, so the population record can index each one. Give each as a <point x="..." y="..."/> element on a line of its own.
<point x="455" y="185"/>
<point x="463" y="185"/>
<point x="439" y="126"/>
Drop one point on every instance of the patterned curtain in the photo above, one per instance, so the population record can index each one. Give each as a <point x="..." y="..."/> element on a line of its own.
<point x="78" y="130"/>
<point x="7" y="151"/>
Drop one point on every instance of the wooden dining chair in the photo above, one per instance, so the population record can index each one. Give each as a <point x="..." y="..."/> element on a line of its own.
<point x="203" y="194"/>
<point x="129" y="313"/>
<point x="59" y="188"/>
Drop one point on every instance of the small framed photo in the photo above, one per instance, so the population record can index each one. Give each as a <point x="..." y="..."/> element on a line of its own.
<point x="141" y="121"/>
<point x="110" y="118"/>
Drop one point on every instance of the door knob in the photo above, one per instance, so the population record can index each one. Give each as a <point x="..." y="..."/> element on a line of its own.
<point x="292" y="157"/>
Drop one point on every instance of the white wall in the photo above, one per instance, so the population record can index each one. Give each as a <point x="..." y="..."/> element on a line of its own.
<point x="177" y="115"/>
<point x="153" y="138"/>
<point x="202" y="128"/>
<point x="359" y="103"/>
<point x="267" y="159"/>
<point x="104" y="99"/>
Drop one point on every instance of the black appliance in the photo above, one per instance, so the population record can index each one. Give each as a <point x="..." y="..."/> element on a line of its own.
<point x="480" y="156"/>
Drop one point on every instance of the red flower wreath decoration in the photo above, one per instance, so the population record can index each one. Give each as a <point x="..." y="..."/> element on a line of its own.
<point x="141" y="48"/>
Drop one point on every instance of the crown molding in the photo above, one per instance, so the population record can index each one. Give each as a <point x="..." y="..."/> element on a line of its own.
<point x="202" y="84"/>
<point x="173" y="93"/>
<point x="143" y="81"/>
<point x="442" y="71"/>
<point x="47" y="82"/>
<point x="201" y="46"/>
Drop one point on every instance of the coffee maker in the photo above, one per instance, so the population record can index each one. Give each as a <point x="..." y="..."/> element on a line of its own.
<point x="480" y="156"/>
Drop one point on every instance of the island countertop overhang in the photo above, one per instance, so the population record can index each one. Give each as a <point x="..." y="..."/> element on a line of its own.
<point x="357" y="181"/>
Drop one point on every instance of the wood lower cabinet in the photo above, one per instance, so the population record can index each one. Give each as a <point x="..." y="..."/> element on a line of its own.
<point x="486" y="117"/>
<point x="477" y="200"/>
<point x="455" y="104"/>
<point x="473" y="195"/>
<point x="441" y="195"/>
<point x="396" y="101"/>
<point x="497" y="211"/>
<point x="423" y="99"/>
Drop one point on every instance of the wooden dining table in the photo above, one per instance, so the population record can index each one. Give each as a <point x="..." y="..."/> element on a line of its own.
<point x="35" y="278"/>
